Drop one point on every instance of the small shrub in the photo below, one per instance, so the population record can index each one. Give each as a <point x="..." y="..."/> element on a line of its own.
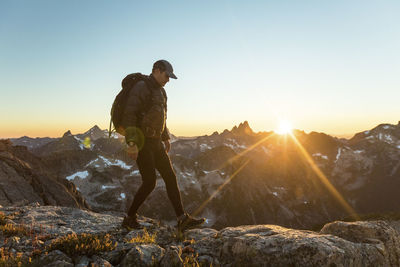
<point x="189" y="242"/>
<point x="3" y="218"/>
<point x="82" y="244"/>
<point x="191" y="261"/>
<point x="144" y="238"/>
<point x="8" y="259"/>
<point x="11" y="230"/>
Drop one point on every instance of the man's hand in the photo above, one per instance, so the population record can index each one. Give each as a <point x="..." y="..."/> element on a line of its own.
<point x="132" y="150"/>
<point x="167" y="145"/>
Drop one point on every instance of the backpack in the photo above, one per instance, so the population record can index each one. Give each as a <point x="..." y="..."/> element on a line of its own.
<point x="118" y="106"/>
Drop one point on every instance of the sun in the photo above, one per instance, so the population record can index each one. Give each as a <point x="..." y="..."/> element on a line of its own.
<point x="285" y="127"/>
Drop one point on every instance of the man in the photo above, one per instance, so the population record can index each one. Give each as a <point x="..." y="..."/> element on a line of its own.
<point x="147" y="137"/>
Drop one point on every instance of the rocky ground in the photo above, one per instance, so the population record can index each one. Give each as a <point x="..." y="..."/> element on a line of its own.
<point x="67" y="236"/>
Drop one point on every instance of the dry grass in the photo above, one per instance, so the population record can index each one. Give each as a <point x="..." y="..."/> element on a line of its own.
<point x="143" y="238"/>
<point x="14" y="230"/>
<point x="3" y="218"/>
<point x="82" y="244"/>
<point x="8" y="259"/>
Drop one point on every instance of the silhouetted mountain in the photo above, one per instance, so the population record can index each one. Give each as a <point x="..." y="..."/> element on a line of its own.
<point x="31" y="143"/>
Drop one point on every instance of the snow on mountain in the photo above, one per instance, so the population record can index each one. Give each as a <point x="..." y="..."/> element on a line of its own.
<point x="81" y="175"/>
<point x="103" y="162"/>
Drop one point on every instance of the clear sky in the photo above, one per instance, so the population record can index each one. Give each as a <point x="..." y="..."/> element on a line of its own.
<point x="327" y="66"/>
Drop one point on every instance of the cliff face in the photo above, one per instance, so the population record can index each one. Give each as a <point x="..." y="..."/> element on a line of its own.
<point x="24" y="178"/>
<point x="361" y="243"/>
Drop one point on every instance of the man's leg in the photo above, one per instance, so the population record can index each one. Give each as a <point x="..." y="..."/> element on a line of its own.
<point x="164" y="166"/>
<point x="146" y="165"/>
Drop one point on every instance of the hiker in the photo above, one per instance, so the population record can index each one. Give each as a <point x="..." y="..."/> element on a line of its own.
<point x="148" y="141"/>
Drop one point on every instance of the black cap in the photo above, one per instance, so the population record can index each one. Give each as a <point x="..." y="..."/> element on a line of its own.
<point x="165" y="66"/>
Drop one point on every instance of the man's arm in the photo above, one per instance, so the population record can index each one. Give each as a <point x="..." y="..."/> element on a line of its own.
<point x="134" y="104"/>
<point x="165" y="138"/>
<point x="165" y="134"/>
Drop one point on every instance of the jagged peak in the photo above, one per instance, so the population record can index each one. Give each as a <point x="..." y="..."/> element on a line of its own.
<point x="93" y="129"/>
<point x="243" y="128"/>
<point x="225" y="131"/>
<point x="67" y="133"/>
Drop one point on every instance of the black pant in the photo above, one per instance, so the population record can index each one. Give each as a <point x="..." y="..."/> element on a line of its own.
<point x="151" y="157"/>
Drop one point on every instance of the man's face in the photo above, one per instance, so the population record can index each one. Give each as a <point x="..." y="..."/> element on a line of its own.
<point x="161" y="77"/>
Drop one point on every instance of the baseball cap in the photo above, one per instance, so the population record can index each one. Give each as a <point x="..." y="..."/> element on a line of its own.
<point x="165" y="65"/>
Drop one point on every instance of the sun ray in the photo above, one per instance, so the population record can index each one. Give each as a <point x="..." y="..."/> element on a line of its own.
<point x="245" y="151"/>
<point x="325" y="180"/>
<point x="199" y="209"/>
<point x="242" y="153"/>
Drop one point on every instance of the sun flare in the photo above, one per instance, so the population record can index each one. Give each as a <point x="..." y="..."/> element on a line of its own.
<point x="285" y="127"/>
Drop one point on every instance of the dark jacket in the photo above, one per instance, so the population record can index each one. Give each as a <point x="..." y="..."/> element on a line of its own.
<point x="146" y="109"/>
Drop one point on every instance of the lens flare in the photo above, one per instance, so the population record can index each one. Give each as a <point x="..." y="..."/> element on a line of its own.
<point x="87" y="142"/>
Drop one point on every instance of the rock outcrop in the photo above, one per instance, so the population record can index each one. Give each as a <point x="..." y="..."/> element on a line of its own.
<point x="361" y="243"/>
<point x="24" y="179"/>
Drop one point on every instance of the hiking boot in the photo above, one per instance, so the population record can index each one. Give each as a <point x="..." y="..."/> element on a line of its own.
<point x="186" y="221"/>
<point x="130" y="222"/>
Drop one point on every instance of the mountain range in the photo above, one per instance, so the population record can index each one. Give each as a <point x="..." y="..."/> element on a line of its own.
<point x="235" y="177"/>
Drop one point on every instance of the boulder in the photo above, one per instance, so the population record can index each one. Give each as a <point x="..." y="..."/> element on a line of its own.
<point x="143" y="255"/>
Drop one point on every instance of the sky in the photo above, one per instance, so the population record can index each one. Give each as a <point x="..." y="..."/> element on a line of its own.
<point x="325" y="66"/>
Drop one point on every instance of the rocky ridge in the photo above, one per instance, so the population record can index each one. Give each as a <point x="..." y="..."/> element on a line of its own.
<point x="25" y="178"/>
<point x="360" y="243"/>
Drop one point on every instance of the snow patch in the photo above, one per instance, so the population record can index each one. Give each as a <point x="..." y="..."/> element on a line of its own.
<point x="135" y="172"/>
<point x="385" y="138"/>
<point x="122" y="195"/>
<point x="338" y="154"/>
<point x="234" y="144"/>
<point x="81" y="175"/>
<point x="81" y="146"/>
<point x="320" y="155"/>
<point x="107" y="187"/>
<point x="275" y="193"/>
<point x="108" y="162"/>
<point x="204" y="147"/>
